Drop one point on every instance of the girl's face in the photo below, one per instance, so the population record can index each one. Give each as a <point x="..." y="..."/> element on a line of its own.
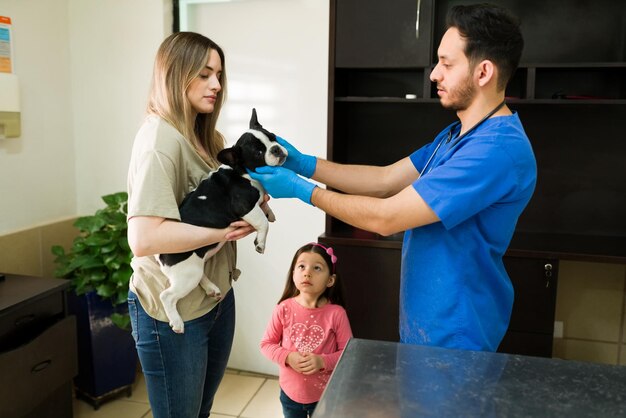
<point x="311" y="274"/>
<point x="202" y="92"/>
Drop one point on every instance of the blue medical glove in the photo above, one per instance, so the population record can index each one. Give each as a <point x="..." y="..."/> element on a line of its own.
<point x="281" y="182"/>
<point x="296" y="161"/>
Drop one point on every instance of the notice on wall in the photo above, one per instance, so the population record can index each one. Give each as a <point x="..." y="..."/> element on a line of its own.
<point x="6" y="61"/>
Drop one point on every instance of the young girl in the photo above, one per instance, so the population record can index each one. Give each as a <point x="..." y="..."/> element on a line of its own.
<point x="173" y="151"/>
<point x="308" y="330"/>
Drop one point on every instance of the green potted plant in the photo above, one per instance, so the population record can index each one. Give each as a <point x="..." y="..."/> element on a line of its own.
<point x="98" y="266"/>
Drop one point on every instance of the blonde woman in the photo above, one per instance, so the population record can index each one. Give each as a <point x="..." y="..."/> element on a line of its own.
<point x="173" y="151"/>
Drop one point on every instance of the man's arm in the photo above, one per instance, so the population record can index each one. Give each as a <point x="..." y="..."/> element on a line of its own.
<point x="385" y="216"/>
<point x="366" y="180"/>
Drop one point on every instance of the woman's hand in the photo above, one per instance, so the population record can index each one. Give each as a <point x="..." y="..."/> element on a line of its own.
<point x="240" y="229"/>
<point x="237" y="230"/>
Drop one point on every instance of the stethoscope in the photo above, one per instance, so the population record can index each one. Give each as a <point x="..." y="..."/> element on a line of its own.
<point x="458" y="138"/>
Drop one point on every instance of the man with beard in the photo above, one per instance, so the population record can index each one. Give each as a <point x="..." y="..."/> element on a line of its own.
<point x="458" y="198"/>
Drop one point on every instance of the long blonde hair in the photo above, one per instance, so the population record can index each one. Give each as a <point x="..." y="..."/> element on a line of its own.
<point x="178" y="62"/>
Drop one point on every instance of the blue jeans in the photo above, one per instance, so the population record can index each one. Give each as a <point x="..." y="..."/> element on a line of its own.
<point x="293" y="409"/>
<point x="183" y="371"/>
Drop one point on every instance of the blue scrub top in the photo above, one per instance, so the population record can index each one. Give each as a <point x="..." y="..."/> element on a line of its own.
<point x="455" y="291"/>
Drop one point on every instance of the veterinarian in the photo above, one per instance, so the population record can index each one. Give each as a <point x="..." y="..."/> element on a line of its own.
<point x="458" y="198"/>
<point x="173" y="151"/>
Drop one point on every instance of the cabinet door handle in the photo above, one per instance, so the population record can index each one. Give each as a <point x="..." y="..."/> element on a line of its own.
<point x="417" y="20"/>
<point x="548" y="273"/>
<point x="23" y="320"/>
<point x="40" y="366"/>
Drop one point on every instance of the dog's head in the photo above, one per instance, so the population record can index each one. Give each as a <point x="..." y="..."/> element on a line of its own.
<point x="255" y="148"/>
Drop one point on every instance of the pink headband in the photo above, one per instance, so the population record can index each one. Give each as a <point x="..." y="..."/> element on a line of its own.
<point x="329" y="251"/>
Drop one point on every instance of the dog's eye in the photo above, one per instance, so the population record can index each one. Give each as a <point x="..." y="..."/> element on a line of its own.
<point x="259" y="153"/>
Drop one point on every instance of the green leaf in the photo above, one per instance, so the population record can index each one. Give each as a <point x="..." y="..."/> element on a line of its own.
<point x="108" y="248"/>
<point x="122" y="276"/>
<point x="123" y="243"/>
<point x="58" y="250"/>
<point x="95" y="275"/>
<point x="90" y="223"/>
<point x="98" y="240"/>
<point x="106" y="290"/>
<point x="122" y="321"/>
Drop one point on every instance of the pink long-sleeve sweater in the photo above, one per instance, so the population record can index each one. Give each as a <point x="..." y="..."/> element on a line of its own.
<point x="324" y="331"/>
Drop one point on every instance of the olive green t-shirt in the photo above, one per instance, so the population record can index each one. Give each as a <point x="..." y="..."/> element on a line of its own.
<point x="163" y="169"/>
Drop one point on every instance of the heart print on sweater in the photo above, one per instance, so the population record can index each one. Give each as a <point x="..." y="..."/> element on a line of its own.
<point x="306" y="339"/>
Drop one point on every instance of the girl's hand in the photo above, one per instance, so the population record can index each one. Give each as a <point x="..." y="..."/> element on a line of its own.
<point x="293" y="360"/>
<point x="305" y="363"/>
<point x="238" y="230"/>
<point x="311" y="363"/>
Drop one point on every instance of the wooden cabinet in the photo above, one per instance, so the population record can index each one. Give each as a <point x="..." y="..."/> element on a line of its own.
<point x="37" y="348"/>
<point x="531" y="327"/>
<point x="381" y="34"/>
<point x="570" y="93"/>
<point x="370" y="277"/>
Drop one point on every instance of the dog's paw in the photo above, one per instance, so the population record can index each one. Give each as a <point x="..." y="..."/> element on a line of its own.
<point x="259" y="247"/>
<point x="178" y="326"/>
<point x="271" y="217"/>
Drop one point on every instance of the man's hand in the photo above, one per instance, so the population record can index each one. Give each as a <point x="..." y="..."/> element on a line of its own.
<point x="281" y="182"/>
<point x="296" y="161"/>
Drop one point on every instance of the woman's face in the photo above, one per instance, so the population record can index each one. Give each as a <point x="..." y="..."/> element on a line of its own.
<point x="452" y="73"/>
<point x="202" y="92"/>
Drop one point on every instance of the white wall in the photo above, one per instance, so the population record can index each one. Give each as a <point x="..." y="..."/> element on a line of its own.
<point x="84" y="68"/>
<point x="277" y="62"/>
<point x="37" y="178"/>
<point x="113" y="44"/>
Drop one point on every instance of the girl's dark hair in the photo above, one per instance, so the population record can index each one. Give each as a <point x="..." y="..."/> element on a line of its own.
<point x="492" y="33"/>
<point x="334" y="293"/>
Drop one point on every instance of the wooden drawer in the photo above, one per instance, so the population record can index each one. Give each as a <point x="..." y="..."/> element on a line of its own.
<point x="35" y="370"/>
<point x="23" y="322"/>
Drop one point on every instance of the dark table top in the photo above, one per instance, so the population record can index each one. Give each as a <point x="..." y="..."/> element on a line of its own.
<point x="384" y="379"/>
<point x="17" y="289"/>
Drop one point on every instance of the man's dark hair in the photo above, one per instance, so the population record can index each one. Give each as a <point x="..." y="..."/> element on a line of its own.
<point x="492" y="33"/>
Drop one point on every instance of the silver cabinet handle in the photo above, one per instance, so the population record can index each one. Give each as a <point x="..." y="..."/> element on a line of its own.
<point x="417" y="20"/>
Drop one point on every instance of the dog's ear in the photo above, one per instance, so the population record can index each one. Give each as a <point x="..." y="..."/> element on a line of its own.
<point x="229" y="156"/>
<point x="254" y="123"/>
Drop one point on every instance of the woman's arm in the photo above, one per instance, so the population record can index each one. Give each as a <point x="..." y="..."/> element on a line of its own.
<point x="148" y="235"/>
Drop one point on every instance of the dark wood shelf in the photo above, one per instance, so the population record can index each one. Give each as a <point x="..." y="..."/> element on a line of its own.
<point x="592" y="248"/>
<point x="511" y="100"/>
<point x="360" y="238"/>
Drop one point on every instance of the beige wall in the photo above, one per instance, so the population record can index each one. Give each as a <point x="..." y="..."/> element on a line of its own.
<point x="590" y="303"/>
<point x="28" y="252"/>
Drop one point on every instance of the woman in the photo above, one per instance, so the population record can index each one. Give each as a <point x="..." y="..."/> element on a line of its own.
<point x="174" y="149"/>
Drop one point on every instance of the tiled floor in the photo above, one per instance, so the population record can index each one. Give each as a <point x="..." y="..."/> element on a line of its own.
<point x="241" y="394"/>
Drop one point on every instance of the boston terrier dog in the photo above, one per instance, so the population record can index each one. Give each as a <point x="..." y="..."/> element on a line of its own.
<point x="226" y="195"/>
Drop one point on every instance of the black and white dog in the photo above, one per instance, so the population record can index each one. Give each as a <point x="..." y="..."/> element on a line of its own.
<point x="226" y="195"/>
